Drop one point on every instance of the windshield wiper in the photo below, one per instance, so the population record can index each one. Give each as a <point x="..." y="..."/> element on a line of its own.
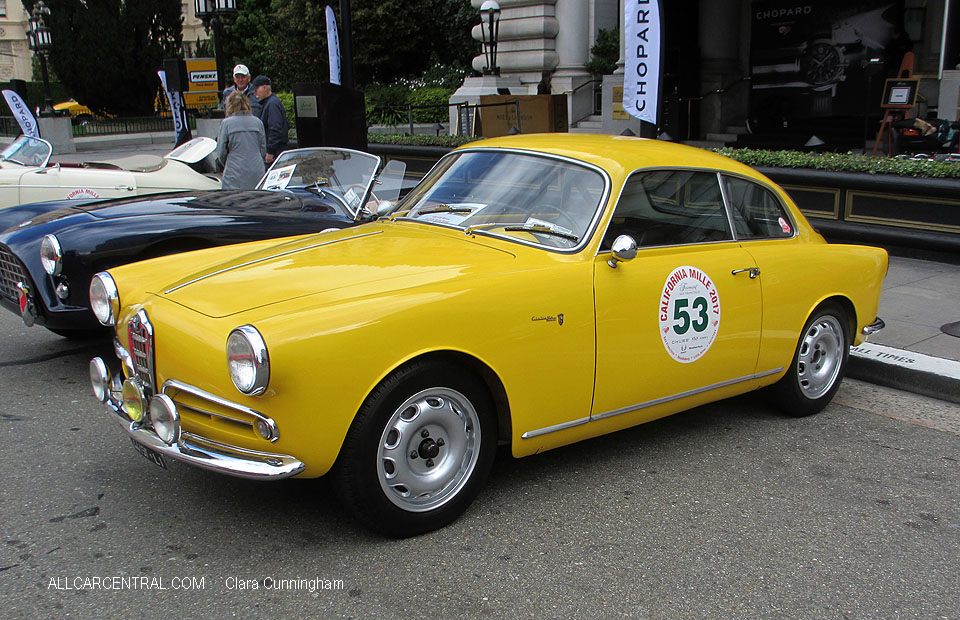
<point x="523" y="227"/>
<point x="444" y="208"/>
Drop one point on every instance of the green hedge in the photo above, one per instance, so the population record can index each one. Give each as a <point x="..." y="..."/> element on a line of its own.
<point x="843" y="162"/>
<point x="388" y="105"/>
<point x="835" y="162"/>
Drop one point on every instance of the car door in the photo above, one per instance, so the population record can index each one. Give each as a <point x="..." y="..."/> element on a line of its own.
<point x="59" y="182"/>
<point x="682" y="319"/>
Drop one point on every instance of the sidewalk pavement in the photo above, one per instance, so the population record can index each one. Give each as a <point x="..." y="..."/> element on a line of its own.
<point x="912" y="352"/>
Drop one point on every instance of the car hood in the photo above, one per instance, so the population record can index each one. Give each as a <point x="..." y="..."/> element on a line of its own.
<point x="367" y="260"/>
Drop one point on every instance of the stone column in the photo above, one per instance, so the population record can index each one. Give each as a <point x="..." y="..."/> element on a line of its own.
<point x="573" y="52"/>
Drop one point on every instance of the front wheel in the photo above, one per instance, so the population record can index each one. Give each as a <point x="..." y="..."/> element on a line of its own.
<point x="818" y="364"/>
<point x="418" y="451"/>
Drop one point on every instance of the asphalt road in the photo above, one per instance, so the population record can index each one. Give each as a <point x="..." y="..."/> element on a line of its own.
<point x="727" y="511"/>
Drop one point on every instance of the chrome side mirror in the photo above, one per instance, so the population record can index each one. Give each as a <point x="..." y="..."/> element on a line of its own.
<point x="624" y="248"/>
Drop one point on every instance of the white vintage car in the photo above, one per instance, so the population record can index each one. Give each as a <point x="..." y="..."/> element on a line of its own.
<point x="27" y="174"/>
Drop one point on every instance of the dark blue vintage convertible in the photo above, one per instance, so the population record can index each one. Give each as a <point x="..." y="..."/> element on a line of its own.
<point x="49" y="251"/>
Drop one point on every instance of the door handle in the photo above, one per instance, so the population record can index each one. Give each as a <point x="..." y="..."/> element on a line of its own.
<point x="753" y="271"/>
<point x="126" y="187"/>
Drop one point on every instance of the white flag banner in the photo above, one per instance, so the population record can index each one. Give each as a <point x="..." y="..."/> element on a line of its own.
<point x="641" y="73"/>
<point x="333" y="46"/>
<point x="177" y="110"/>
<point x="22" y="113"/>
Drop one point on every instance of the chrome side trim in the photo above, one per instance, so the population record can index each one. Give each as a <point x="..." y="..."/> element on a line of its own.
<point x="266" y="258"/>
<point x="173" y="384"/>
<point x="554" y="428"/>
<point x="658" y="401"/>
<point x="874" y="327"/>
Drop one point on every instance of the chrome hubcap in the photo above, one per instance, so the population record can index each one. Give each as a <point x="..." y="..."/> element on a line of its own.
<point x="428" y="449"/>
<point x="821" y="352"/>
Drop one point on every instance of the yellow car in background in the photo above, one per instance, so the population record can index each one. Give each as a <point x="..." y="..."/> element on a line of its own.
<point x="74" y="109"/>
<point x="532" y="290"/>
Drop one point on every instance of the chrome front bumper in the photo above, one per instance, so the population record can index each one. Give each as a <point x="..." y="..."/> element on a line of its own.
<point x="202" y="452"/>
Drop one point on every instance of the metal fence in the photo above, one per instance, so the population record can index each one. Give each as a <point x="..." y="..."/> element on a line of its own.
<point x="104" y="126"/>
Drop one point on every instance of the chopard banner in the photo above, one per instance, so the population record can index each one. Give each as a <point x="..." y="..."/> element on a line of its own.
<point x="333" y="46"/>
<point x="22" y="113"/>
<point x="178" y="110"/>
<point x="641" y="78"/>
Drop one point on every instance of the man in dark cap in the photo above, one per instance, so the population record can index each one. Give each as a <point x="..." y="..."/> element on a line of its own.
<point x="274" y="117"/>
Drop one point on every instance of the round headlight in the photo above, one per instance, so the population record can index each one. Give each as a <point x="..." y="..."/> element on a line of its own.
<point x="104" y="299"/>
<point x="100" y="379"/>
<point x="134" y="400"/>
<point x="50" y="255"/>
<point x="248" y="361"/>
<point x="165" y="419"/>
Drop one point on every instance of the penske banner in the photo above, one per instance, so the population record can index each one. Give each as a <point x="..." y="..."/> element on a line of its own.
<point x="28" y="124"/>
<point x="641" y="75"/>
<point x="333" y="46"/>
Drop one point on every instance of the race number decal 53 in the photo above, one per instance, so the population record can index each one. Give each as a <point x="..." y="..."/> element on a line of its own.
<point x="689" y="314"/>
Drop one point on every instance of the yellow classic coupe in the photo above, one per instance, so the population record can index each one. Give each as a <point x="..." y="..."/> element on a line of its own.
<point x="533" y="291"/>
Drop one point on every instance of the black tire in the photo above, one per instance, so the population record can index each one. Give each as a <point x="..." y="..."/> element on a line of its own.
<point x="424" y="418"/>
<point x="818" y="364"/>
<point x="81" y="334"/>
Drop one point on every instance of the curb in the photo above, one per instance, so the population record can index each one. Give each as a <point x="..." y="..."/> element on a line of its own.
<point x="906" y="370"/>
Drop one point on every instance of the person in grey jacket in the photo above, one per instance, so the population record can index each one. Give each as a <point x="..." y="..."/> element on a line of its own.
<point x="274" y="117"/>
<point x="241" y="145"/>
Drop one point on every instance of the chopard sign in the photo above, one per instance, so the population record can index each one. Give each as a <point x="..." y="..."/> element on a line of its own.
<point x="794" y="11"/>
<point x="549" y="319"/>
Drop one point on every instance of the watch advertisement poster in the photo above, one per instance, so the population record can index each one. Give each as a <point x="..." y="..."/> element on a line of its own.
<point x="808" y="59"/>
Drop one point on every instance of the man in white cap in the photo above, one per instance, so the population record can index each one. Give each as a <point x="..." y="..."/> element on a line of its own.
<point x="241" y="81"/>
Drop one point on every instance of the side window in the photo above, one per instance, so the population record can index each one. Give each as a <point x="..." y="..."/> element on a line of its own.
<point x="669" y="207"/>
<point x="757" y="214"/>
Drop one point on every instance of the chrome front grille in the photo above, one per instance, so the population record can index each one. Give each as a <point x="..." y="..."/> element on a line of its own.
<point x="12" y="272"/>
<point x="140" y="337"/>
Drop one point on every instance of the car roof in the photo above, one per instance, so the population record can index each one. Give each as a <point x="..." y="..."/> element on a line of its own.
<point x="610" y="152"/>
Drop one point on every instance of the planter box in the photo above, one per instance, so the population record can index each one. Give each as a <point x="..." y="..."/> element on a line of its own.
<point x="886" y="209"/>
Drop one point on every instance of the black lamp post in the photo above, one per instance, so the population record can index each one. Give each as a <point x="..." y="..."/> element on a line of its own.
<point x="219" y="15"/>
<point x="40" y="41"/>
<point x="491" y="11"/>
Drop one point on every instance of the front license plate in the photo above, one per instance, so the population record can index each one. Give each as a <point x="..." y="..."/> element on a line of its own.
<point x="148" y="453"/>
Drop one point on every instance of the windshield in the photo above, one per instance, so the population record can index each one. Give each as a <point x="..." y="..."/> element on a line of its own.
<point x="345" y="174"/>
<point x="529" y="198"/>
<point x="28" y="151"/>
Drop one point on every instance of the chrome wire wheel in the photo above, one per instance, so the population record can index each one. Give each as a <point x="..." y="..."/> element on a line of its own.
<point x="428" y="449"/>
<point x="820" y="356"/>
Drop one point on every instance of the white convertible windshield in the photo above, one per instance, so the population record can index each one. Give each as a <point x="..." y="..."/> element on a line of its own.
<point x="343" y="173"/>
<point x="28" y="151"/>
<point x="529" y="198"/>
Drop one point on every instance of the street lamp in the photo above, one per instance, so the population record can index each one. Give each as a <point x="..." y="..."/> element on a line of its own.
<point x="491" y="11"/>
<point x="218" y="14"/>
<point x="40" y="41"/>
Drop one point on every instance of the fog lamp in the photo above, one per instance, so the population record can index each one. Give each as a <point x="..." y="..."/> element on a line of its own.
<point x="165" y="419"/>
<point x="100" y="379"/>
<point x="134" y="400"/>
<point x="267" y="430"/>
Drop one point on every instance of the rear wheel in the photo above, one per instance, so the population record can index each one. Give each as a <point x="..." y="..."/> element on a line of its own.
<point x="818" y="363"/>
<point x="418" y="450"/>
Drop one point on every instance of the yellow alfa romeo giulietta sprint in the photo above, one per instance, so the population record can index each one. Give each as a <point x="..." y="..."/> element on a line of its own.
<point x="532" y="290"/>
